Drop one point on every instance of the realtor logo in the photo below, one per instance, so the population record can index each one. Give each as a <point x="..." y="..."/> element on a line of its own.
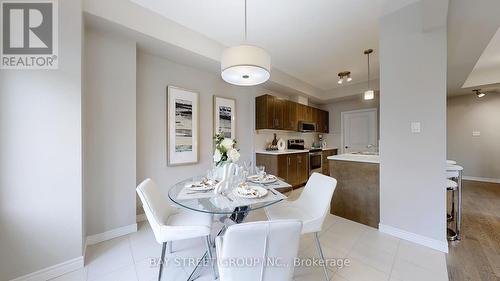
<point x="29" y="34"/>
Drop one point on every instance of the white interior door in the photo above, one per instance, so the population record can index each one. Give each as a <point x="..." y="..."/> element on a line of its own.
<point x="359" y="130"/>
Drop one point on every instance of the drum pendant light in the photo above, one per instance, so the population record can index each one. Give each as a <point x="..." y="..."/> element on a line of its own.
<point x="245" y="65"/>
<point x="369" y="93"/>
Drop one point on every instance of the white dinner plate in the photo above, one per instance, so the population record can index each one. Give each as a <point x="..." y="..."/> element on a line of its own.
<point x="266" y="180"/>
<point x="256" y="192"/>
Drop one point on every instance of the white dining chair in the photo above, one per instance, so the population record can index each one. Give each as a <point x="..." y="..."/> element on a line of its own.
<point x="255" y="251"/>
<point x="171" y="224"/>
<point x="311" y="208"/>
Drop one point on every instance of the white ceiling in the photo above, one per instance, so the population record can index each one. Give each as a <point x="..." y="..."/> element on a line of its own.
<point x="311" y="40"/>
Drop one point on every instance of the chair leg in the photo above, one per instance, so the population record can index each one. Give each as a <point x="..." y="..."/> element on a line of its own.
<point x="162" y="260"/>
<point x="212" y="262"/>
<point x="318" y="245"/>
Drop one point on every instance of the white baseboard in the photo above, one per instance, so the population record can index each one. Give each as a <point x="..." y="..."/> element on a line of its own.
<point x="492" y="180"/>
<point x="441" y="246"/>
<point x="141" y="217"/>
<point x="117" y="232"/>
<point x="53" y="271"/>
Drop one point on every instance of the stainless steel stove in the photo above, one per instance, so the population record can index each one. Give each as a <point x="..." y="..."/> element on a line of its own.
<point x="315" y="155"/>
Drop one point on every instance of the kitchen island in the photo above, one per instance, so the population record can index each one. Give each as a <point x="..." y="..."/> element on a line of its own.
<point x="357" y="195"/>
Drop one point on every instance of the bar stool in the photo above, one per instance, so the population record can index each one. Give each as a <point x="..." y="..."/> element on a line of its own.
<point x="455" y="172"/>
<point x="451" y="186"/>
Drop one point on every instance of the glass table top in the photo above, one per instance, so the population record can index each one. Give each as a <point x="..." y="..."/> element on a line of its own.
<point x="227" y="203"/>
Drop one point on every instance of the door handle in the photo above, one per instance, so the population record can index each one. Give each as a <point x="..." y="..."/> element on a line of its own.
<point x="346" y="147"/>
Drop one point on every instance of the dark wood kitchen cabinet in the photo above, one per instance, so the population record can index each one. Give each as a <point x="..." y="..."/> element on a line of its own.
<point x="269" y="112"/>
<point x="322" y="122"/>
<point x="280" y="114"/>
<point x="293" y="167"/>
<point x="290" y="116"/>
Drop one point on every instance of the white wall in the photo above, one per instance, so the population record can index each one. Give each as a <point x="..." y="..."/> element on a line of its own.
<point x="412" y="166"/>
<point x="334" y="138"/>
<point x="479" y="155"/>
<point x="153" y="76"/>
<point x="41" y="159"/>
<point x="109" y="132"/>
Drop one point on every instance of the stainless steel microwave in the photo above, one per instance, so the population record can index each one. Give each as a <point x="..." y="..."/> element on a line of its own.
<point x="307" y="126"/>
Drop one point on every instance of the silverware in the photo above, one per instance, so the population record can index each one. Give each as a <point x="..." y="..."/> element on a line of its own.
<point x="272" y="191"/>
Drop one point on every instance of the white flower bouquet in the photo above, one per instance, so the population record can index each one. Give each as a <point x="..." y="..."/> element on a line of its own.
<point x="225" y="150"/>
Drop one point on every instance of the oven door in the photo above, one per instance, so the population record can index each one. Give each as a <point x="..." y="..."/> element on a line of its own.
<point x="315" y="162"/>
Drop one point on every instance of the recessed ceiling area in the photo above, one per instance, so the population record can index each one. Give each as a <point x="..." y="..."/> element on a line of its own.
<point x="310" y="40"/>
<point x="487" y="69"/>
<point x="472" y="26"/>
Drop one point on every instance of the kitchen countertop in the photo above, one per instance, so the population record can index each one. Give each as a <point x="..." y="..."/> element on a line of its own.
<point x="356" y="158"/>
<point x="288" y="151"/>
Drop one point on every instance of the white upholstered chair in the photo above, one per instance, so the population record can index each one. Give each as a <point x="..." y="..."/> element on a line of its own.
<point x="311" y="208"/>
<point x="247" y="251"/>
<point x="171" y="224"/>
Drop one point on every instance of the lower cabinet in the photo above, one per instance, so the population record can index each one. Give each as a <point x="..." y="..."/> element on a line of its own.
<point x="293" y="168"/>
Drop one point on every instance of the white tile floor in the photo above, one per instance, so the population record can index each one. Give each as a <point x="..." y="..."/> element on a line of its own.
<point x="373" y="256"/>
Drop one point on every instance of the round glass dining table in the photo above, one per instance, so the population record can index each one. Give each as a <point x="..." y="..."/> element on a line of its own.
<point x="207" y="201"/>
<point x="233" y="210"/>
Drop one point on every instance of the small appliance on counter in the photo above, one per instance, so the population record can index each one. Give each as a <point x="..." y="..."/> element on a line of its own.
<point x="296" y="144"/>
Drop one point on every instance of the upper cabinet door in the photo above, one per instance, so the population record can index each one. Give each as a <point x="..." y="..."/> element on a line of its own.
<point x="309" y="114"/>
<point x="263" y="112"/>
<point x="326" y="122"/>
<point x="279" y="109"/>
<point x="290" y="116"/>
<point x="315" y="117"/>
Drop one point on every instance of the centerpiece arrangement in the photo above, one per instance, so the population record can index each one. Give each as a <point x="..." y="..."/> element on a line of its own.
<point x="225" y="150"/>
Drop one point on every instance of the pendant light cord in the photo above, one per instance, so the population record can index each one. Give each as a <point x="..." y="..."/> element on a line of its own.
<point x="245" y="21"/>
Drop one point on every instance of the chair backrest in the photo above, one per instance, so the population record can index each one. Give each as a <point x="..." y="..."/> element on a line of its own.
<point x="316" y="197"/>
<point x="155" y="205"/>
<point x="259" y="251"/>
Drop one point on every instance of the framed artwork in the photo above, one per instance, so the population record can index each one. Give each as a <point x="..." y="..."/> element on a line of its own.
<point x="225" y="116"/>
<point x="182" y="126"/>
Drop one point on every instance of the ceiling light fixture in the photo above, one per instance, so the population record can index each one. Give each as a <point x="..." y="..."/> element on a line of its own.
<point x="344" y="75"/>
<point x="369" y="93"/>
<point x="478" y="93"/>
<point x="245" y="65"/>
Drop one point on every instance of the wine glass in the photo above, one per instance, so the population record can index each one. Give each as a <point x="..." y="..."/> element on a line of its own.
<point x="247" y="165"/>
<point x="261" y="171"/>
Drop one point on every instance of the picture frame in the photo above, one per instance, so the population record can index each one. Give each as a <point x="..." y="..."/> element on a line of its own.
<point x="224" y="111"/>
<point x="182" y="126"/>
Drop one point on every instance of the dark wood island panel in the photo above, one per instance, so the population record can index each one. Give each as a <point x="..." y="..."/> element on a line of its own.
<point x="357" y="194"/>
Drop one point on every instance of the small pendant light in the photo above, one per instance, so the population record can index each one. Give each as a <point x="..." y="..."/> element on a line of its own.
<point x="369" y="93"/>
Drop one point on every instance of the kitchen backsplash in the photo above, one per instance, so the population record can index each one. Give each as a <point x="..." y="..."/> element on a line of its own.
<point x="263" y="137"/>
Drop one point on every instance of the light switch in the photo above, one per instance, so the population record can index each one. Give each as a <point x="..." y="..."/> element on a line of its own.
<point x="415" y="127"/>
<point x="476" y="133"/>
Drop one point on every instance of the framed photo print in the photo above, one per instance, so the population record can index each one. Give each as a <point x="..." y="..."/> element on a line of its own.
<point x="182" y="126"/>
<point x="225" y="117"/>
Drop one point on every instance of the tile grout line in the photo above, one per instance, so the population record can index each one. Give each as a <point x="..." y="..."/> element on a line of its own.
<point x="117" y="269"/>
<point x="394" y="259"/>
<point x="133" y="259"/>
